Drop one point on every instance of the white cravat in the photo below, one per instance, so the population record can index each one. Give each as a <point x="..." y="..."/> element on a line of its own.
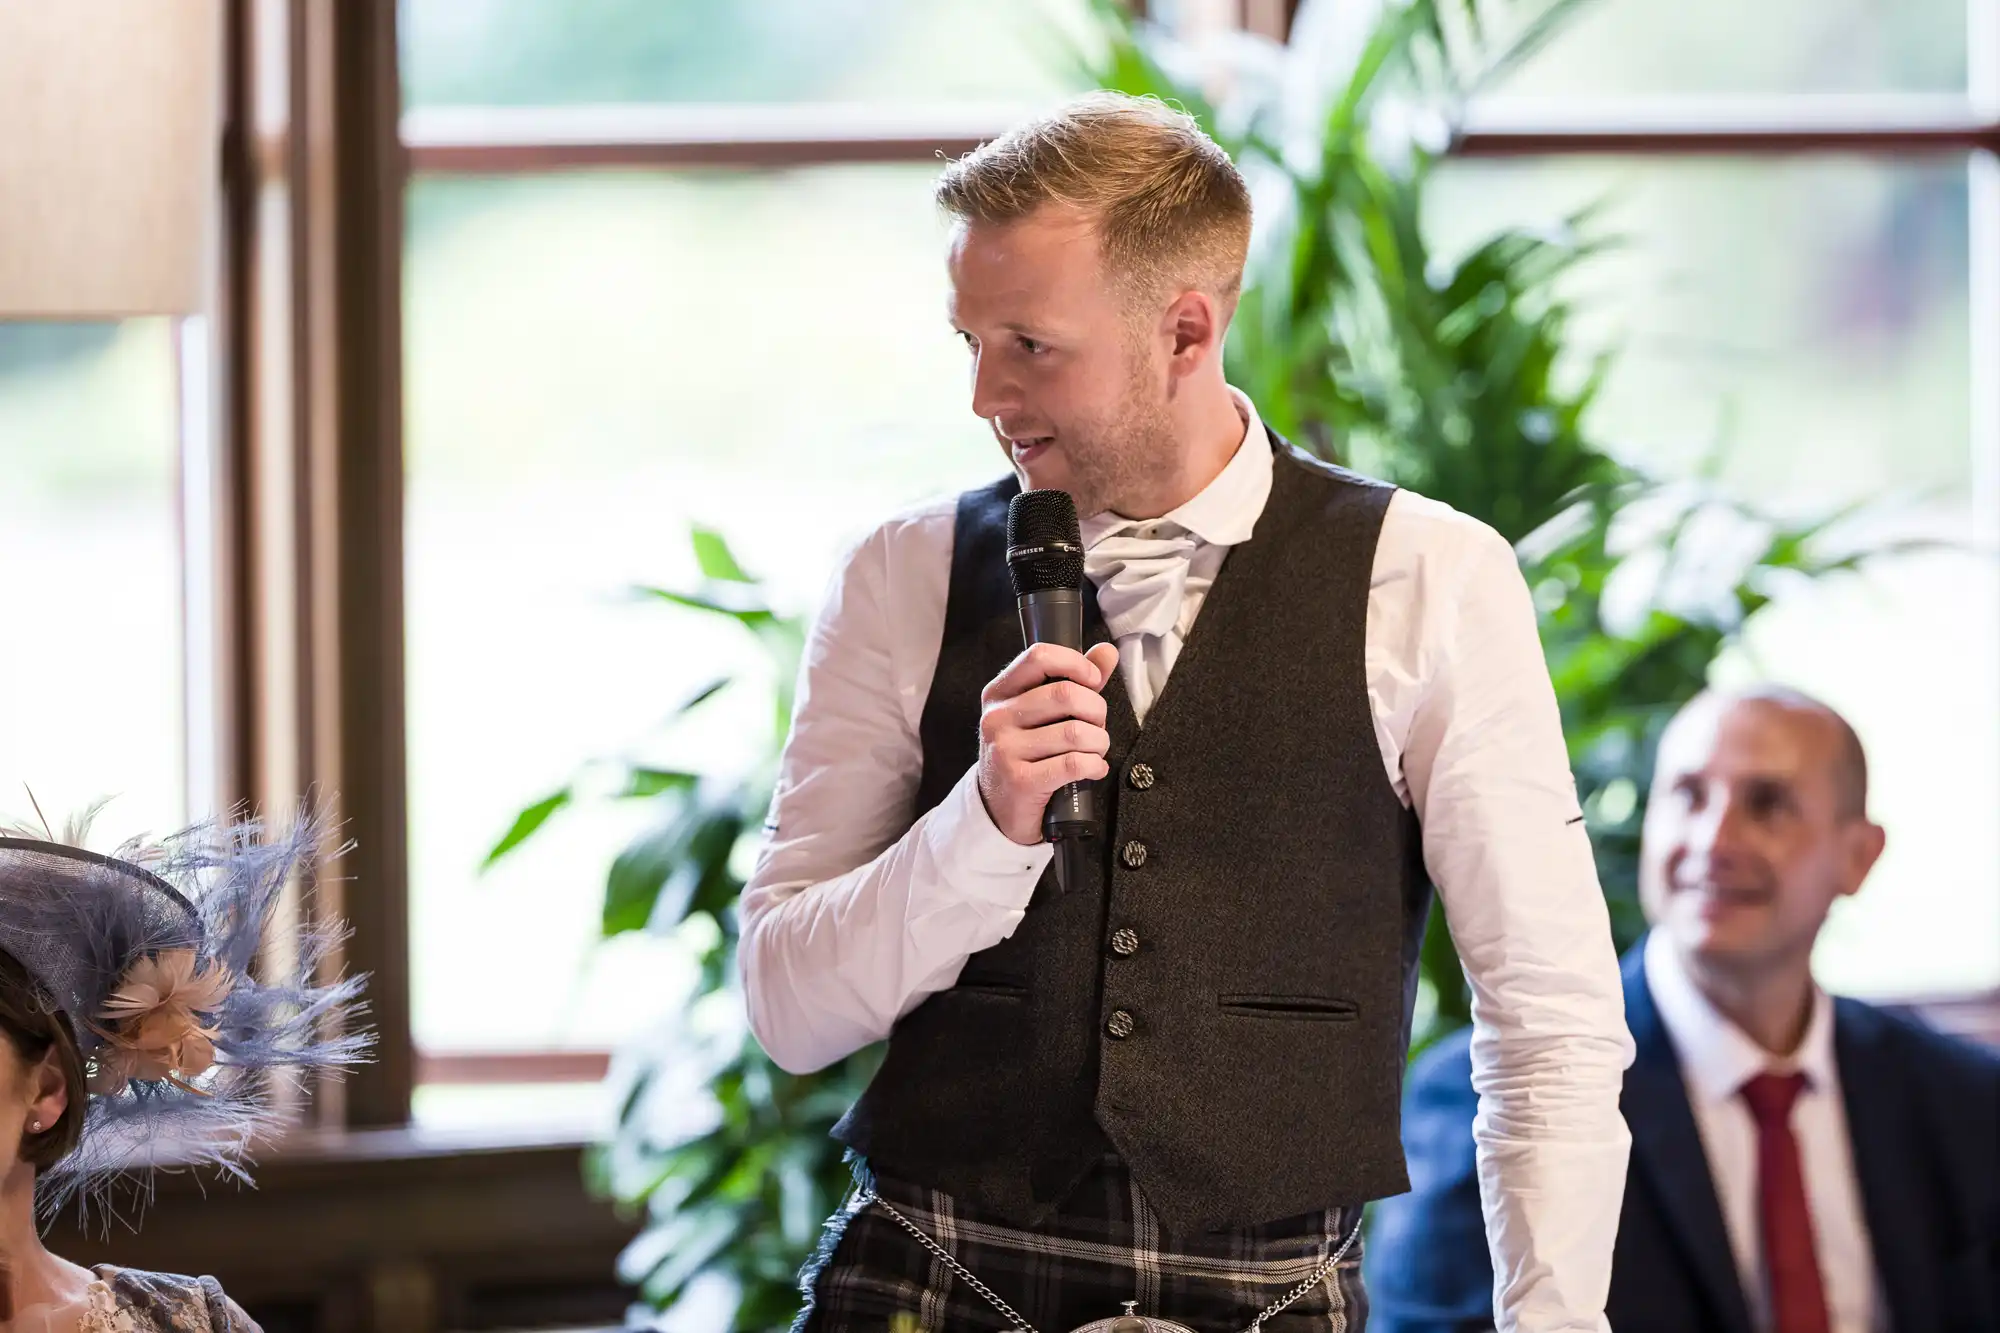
<point x="1142" y="585"/>
<point x="1152" y="575"/>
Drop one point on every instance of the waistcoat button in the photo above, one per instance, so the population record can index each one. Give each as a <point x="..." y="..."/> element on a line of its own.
<point x="1133" y="854"/>
<point x="1140" y="776"/>
<point x="1121" y="1025"/>
<point x="1124" y="941"/>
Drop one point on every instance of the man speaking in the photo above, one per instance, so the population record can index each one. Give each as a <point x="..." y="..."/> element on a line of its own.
<point x="1167" y="1086"/>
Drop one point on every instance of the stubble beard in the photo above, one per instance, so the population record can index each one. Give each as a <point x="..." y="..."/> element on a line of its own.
<point x="1126" y="456"/>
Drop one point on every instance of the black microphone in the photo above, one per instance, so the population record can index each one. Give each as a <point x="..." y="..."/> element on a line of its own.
<point x="1045" y="560"/>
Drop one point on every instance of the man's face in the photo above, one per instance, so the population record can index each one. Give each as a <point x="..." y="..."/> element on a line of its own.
<point x="1746" y="844"/>
<point x="1071" y="381"/>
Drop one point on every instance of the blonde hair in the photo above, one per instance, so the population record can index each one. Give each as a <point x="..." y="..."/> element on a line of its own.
<point x="1169" y="206"/>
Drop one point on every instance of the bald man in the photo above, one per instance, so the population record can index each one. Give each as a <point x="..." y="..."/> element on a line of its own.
<point x="1800" y="1164"/>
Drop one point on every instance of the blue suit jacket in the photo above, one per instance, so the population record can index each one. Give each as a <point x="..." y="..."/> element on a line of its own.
<point x="1924" y="1114"/>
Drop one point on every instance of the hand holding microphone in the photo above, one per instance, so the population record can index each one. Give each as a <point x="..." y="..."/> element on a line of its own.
<point x="1042" y="735"/>
<point x="1041" y="727"/>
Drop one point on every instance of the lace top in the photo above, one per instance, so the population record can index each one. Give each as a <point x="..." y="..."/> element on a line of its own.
<point x="125" y="1300"/>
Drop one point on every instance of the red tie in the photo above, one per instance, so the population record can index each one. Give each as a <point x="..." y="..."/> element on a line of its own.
<point x="1798" y="1298"/>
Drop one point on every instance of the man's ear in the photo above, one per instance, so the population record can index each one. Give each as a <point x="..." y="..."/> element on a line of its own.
<point x="1193" y="324"/>
<point x="1861" y="847"/>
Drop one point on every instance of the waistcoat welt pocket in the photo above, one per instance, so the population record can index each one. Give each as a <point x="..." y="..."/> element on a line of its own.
<point x="991" y="988"/>
<point x="1306" y="1008"/>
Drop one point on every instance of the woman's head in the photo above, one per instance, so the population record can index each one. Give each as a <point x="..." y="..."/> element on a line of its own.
<point x="41" y="1074"/>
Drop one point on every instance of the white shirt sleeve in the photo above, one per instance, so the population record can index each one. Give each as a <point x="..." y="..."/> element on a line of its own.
<point x="1486" y="770"/>
<point x="855" y="913"/>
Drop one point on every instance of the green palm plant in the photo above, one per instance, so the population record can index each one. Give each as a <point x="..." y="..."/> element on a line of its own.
<point x="741" y="1195"/>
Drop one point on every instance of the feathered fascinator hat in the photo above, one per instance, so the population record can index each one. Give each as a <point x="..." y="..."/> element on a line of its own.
<point x="148" y="953"/>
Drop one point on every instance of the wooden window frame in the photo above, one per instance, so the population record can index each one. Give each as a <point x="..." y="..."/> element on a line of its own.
<point x="309" y="479"/>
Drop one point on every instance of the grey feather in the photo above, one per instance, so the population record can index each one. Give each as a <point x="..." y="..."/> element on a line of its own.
<point x="78" y="921"/>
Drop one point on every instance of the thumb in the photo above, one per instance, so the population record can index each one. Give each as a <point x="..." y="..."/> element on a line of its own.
<point x="1104" y="657"/>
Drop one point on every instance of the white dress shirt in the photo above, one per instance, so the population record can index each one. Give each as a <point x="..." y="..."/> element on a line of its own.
<point x="857" y="911"/>
<point x="1152" y="575"/>
<point x="1717" y="1058"/>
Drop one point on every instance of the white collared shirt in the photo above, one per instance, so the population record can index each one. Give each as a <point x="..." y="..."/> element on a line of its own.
<point x="1219" y="516"/>
<point x="858" y="910"/>
<point x="1717" y="1058"/>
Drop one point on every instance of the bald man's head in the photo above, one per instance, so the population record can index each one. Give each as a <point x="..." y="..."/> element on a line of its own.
<point x="1846" y="763"/>
<point x="1756" y="823"/>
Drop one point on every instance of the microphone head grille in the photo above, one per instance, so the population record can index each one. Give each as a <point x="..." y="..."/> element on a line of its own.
<point x="1044" y="542"/>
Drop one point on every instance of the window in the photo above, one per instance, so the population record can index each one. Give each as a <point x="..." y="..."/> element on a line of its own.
<point x="590" y="368"/>
<point x="91" y="679"/>
<point x="595" y="361"/>
<point x="1710" y="48"/>
<point x="744" y="333"/>
<point x="1806" y="301"/>
<point x="542" y="53"/>
<point x="1803" y="324"/>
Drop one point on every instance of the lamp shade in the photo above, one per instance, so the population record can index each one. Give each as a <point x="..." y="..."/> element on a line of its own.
<point x="109" y="136"/>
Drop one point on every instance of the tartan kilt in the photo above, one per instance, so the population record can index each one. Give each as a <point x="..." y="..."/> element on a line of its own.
<point x="1102" y="1249"/>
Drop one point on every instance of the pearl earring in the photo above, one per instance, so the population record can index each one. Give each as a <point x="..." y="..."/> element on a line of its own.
<point x="34" y="1126"/>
